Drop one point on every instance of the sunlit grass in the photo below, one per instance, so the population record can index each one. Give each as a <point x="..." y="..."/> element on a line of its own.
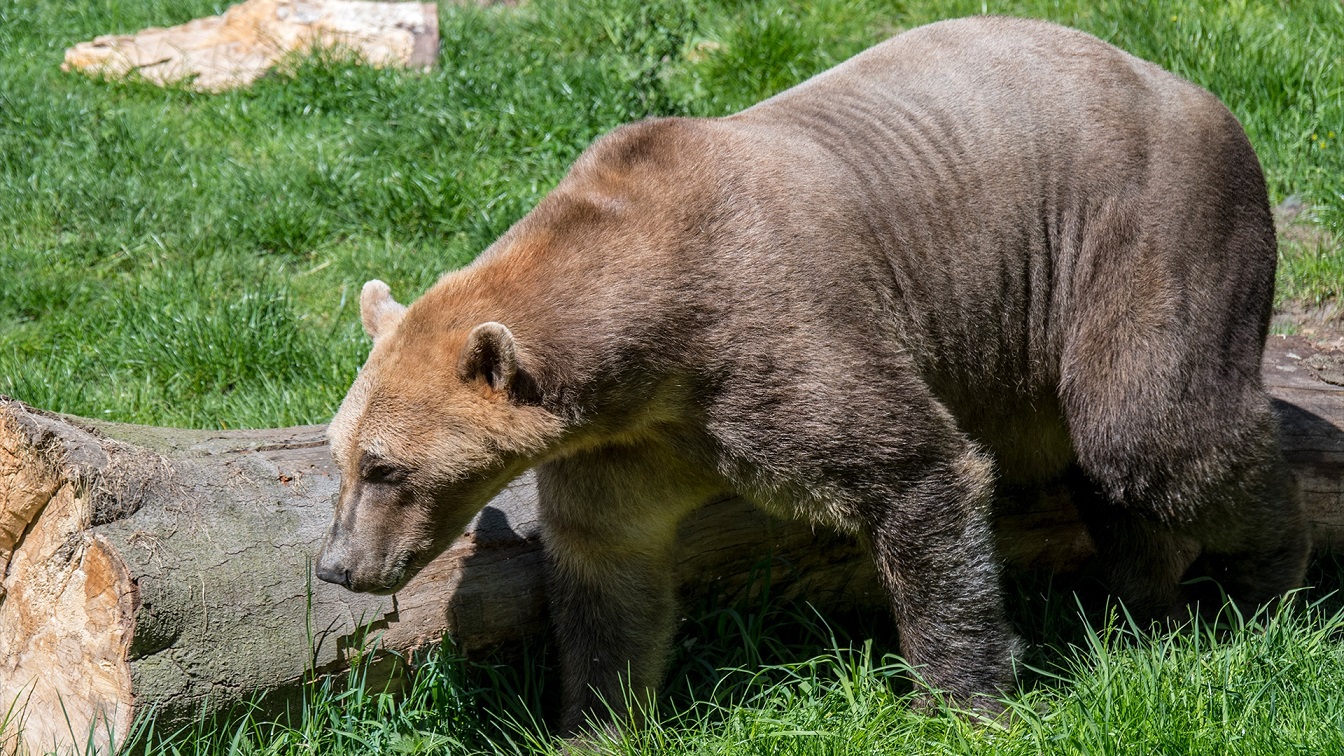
<point x="778" y="679"/>
<point x="169" y="257"/>
<point x="178" y="258"/>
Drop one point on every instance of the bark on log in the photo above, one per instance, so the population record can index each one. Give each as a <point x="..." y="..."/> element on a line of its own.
<point x="164" y="568"/>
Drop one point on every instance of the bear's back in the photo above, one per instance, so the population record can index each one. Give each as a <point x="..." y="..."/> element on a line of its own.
<point x="985" y="192"/>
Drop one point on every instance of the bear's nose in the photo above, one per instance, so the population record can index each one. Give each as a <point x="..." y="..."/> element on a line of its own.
<point x="331" y="571"/>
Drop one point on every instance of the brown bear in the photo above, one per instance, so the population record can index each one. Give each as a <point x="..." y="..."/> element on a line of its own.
<point x="987" y="251"/>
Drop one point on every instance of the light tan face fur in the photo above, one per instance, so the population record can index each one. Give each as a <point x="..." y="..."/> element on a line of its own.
<point x="427" y="434"/>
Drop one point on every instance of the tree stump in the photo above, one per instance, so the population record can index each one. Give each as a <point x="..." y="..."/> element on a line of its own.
<point x="156" y="567"/>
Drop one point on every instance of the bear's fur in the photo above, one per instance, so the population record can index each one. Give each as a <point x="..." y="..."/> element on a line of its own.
<point x="987" y="250"/>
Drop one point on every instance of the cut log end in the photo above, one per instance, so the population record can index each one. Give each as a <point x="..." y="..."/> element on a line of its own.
<point x="67" y="613"/>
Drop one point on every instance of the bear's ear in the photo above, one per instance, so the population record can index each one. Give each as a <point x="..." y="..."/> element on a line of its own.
<point x="379" y="311"/>
<point x="489" y="355"/>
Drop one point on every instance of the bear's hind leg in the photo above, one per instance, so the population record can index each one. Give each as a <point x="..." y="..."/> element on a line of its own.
<point x="1268" y="558"/>
<point x="1188" y="474"/>
<point x="1142" y="559"/>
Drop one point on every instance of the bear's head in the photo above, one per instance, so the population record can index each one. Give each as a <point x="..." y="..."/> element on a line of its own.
<point x="438" y="421"/>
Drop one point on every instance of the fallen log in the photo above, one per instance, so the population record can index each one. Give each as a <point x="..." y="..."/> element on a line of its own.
<point x="171" y="569"/>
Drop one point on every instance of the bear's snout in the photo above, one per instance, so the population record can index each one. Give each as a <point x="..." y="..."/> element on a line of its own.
<point x="353" y="564"/>
<point x="331" y="568"/>
<point x="333" y="561"/>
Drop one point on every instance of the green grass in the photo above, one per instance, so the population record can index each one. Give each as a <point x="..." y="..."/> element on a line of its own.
<point x="175" y="258"/>
<point x="779" y="680"/>
<point x="1310" y="263"/>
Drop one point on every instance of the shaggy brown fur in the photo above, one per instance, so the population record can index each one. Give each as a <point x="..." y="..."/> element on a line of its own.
<point x="985" y="250"/>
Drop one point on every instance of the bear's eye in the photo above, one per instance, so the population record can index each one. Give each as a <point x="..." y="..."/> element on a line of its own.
<point x="377" y="471"/>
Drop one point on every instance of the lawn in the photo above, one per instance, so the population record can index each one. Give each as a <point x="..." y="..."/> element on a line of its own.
<point x="176" y="258"/>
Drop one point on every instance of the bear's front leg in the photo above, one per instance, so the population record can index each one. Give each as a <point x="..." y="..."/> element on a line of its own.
<point x="609" y="525"/>
<point x="935" y="554"/>
<point x="614" y="616"/>
<point x="864" y="446"/>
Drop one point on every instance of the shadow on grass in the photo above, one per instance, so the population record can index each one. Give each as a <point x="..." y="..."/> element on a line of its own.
<point x="724" y="659"/>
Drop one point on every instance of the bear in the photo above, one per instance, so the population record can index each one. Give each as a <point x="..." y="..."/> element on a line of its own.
<point x="986" y="252"/>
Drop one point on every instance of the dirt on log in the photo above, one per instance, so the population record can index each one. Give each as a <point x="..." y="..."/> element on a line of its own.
<point x="172" y="569"/>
